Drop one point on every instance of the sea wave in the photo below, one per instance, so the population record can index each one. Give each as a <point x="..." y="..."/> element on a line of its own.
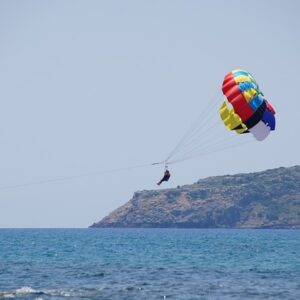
<point x="30" y="293"/>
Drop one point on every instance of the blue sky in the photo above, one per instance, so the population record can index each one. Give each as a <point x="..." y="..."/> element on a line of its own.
<point x="90" y="86"/>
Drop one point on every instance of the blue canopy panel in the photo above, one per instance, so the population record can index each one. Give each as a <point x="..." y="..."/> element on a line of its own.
<point x="269" y="119"/>
<point x="256" y="102"/>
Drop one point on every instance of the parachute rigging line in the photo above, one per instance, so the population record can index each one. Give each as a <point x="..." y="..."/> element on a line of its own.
<point x="195" y="127"/>
<point x="203" y="134"/>
<point x="209" y="151"/>
<point x="66" y="178"/>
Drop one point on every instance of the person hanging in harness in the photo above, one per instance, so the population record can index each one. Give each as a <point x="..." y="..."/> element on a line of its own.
<point x="166" y="177"/>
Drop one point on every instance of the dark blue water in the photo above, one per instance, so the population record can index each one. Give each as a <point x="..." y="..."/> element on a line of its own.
<point x="149" y="264"/>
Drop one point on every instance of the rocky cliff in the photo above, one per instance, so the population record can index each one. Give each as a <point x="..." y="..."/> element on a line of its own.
<point x="268" y="199"/>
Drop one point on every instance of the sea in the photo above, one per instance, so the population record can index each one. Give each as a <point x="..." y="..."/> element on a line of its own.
<point x="149" y="264"/>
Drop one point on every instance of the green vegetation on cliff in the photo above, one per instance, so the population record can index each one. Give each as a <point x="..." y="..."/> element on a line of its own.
<point x="268" y="199"/>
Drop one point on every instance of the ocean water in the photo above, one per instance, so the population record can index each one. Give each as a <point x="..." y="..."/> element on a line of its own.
<point x="149" y="264"/>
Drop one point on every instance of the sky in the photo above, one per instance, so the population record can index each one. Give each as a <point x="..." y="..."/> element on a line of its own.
<point x="109" y="87"/>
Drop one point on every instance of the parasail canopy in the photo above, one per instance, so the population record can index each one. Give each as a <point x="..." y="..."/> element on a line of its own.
<point x="245" y="108"/>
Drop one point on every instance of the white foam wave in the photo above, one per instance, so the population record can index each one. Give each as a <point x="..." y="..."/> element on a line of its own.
<point x="25" y="290"/>
<point x="7" y="296"/>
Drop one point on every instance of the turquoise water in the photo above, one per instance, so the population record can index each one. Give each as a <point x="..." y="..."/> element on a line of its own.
<point x="149" y="264"/>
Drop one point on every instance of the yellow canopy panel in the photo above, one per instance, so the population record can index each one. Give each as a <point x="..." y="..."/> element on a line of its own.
<point x="250" y="94"/>
<point x="231" y="120"/>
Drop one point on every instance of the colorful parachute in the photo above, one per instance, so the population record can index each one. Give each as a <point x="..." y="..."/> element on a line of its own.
<point x="250" y="111"/>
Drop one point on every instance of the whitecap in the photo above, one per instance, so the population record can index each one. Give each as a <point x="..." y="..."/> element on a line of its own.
<point x="26" y="290"/>
<point x="6" y="295"/>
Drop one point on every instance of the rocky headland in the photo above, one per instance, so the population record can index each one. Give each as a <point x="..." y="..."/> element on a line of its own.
<point x="268" y="199"/>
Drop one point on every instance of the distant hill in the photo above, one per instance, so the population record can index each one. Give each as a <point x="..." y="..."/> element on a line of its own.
<point x="268" y="199"/>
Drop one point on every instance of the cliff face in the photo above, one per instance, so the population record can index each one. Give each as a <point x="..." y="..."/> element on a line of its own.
<point x="268" y="199"/>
